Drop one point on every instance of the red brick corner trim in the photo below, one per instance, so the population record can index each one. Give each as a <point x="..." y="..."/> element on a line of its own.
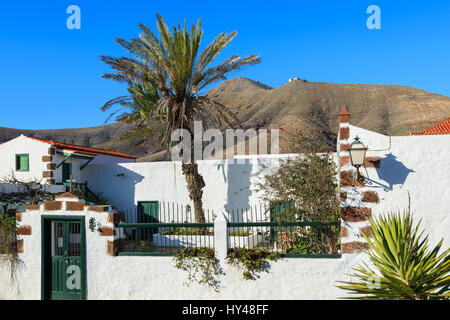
<point x="354" y="247"/>
<point x="52" y="205"/>
<point x="114" y="247"/>
<point x="20" y="246"/>
<point x="116" y="217"/>
<point x="23" y="231"/>
<point x="370" y="196"/>
<point x="33" y="207"/>
<point x="104" y="208"/>
<point x="107" y="231"/>
<point x="353" y="214"/>
<point x="75" y="206"/>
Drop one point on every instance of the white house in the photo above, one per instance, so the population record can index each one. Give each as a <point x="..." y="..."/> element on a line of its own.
<point x="399" y="172"/>
<point x="51" y="162"/>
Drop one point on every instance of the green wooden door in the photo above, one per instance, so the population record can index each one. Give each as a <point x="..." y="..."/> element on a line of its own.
<point x="65" y="267"/>
<point x="66" y="171"/>
<point x="148" y="212"/>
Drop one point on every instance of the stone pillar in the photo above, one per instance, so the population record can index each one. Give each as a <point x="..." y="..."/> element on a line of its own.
<point x="50" y="167"/>
<point x="354" y="196"/>
<point x="103" y="218"/>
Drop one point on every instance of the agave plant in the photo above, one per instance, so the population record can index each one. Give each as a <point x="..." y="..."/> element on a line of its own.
<point x="403" y="265"/>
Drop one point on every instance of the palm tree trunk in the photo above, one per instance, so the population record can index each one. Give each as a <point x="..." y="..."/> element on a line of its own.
<point x="195" y="184"/>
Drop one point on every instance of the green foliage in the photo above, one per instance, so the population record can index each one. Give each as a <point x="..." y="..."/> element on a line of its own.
<point x="314" y="240"/>
<point x="403" y="265"/>
<point x="7" y="233"/>
<point x="304" y="188"/>
<point x="201" y="265"/>
<point x="8" y="245"/>
<point x="166" y="74"/>
<point x="252" y="260"/>
<point x="186" y="231"/>
<point x="308" y="182"/>
<point x="239" y="233"/>
<point x="96" y="198"/>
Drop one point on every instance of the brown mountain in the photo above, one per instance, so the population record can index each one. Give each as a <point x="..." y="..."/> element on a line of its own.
<point x="388" y="109"/>
<point x="104" y="137"/>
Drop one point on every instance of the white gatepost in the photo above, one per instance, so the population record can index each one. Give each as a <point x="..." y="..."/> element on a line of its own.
<point x="221" y="237"/>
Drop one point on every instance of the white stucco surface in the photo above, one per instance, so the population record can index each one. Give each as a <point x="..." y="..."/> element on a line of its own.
<point x="419" y="165"/>
<point x="229" y="185"/>
<point x="415" y="164"/>
<point x="150" y="277"/>
<point x="36" y="149"/>
<point x="23" y="145"/>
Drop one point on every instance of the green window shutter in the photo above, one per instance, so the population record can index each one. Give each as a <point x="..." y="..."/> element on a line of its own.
<point x="22" y="162"/>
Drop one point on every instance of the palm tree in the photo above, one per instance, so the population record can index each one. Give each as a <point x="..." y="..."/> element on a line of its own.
<point x="169" y="74"/>
<point x="403" y="265"/>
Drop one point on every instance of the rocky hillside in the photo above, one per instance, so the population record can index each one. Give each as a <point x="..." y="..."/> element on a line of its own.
<point x="105" y="137"/>
<point x="388" y="109"/>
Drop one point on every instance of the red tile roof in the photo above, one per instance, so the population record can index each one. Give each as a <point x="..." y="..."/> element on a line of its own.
<point x="441" y="128"/>
<point x="84" y="150"/>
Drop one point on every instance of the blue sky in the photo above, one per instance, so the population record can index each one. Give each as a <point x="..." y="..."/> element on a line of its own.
<point x="51" y="76"/>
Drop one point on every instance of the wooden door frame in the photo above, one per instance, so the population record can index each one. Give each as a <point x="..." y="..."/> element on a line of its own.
<point x="45" y="236"/>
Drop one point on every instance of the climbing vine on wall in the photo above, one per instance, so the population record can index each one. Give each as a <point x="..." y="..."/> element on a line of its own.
<point x="8" y="244"/>
<point x="201" y="265"/>
<point x="251" y="260"/>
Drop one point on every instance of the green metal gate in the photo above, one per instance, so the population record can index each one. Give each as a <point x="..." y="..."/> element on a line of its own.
<point x="63" y="258"/>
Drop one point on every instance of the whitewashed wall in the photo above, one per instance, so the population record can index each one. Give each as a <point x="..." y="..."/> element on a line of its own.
<point x="229" y="185"/>
<point x="149" y="277"/>
<point x="36" y="149"/>
<point x="20" y="145"/>
<point x="418" y="164"/>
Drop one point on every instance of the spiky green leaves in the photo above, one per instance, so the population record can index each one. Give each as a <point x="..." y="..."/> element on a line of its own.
<point x="171" y="65"/>
<point x="402" y="265"/>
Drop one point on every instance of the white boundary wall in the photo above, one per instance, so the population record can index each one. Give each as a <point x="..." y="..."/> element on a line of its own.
<point x="229" y="185"/>
<point x="419" y="164"/>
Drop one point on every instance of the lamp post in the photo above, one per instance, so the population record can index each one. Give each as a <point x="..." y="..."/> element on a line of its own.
<point x="357" y="154"/>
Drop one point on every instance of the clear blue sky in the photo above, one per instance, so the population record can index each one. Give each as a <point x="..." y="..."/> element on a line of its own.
<point x="51" y="76"/>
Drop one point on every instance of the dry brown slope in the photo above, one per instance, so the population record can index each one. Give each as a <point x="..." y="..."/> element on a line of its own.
<point x="389" y="109"/>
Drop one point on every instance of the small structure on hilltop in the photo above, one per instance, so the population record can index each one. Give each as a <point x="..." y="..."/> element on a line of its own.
<point x="297" y="79"/>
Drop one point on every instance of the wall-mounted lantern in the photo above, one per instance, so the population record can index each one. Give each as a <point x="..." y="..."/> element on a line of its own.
<point x="357" y="154"/>
<point x="94" y="225"/>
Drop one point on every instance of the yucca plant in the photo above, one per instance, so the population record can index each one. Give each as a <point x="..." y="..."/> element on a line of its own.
<point x="403" y="265"/>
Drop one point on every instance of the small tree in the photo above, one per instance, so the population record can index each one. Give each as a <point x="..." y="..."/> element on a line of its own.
<point x="308" y="183"/>
<point x="403" y="266"/>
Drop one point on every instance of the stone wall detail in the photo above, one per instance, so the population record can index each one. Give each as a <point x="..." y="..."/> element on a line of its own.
<point x="357" y="200"/>
<point x="67" y="204"/>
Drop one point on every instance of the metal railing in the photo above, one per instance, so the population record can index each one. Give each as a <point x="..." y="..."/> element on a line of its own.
<point x="262" y="227"/>
<point x="164" y="228"/>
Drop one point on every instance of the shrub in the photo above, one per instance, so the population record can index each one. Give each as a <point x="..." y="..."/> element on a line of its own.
<point x="403" y="265"/>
